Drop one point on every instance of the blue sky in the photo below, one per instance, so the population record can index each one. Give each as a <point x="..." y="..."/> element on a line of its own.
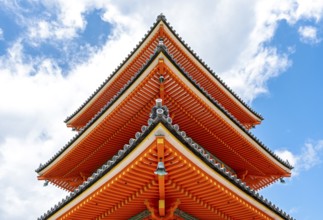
<point x="54" y="54"/>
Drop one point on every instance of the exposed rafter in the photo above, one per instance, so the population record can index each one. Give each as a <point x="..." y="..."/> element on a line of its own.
<point x="183" y="55"/>
<point x="120" y="181"/>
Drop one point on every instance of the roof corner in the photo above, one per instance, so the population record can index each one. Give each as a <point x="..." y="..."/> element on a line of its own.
<point x="161" y="17"/>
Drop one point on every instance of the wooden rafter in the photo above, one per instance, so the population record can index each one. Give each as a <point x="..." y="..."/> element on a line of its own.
<point x="185" y="59"/>
<point x="192" y="113"/>
<point x="129" y="193"/>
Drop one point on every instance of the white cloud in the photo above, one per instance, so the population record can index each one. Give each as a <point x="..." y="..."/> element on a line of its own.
<point x="257" y="24"/>
<point x="69" y="20"/>
<point x="308" y="34"/>
<point x="249" y="79"/>
<point x="31" y="130"/>
<point x="309" y="9"/>
<point x="20" y="188"/>
<point x="309" y="157"/>
<point x="1" y="34"/>
<point x="35" y="99"/>
<point x="44" y="30"/>
<point x="239" y="45"/>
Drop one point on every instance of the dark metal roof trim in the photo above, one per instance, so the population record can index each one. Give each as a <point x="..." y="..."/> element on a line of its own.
<point x="188" y="142"/>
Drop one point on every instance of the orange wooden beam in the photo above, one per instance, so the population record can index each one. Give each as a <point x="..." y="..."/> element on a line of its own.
<point x="172" y="209"/>
<point x="151" y="209"/>
<point x="161" y="179"/>
<point x="161" y="31"/>
<point x="161" y="68"/>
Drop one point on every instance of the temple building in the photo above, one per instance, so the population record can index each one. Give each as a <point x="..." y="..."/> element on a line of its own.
<point x="164" y="138"/>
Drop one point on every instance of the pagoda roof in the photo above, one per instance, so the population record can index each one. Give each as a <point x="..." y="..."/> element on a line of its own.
<point x="192" y="160"/>
<point x="95" y="122"/>
<point x="185" y="57"/>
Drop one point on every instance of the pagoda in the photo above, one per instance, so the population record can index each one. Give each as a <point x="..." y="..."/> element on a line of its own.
<point x="164" y="138"/>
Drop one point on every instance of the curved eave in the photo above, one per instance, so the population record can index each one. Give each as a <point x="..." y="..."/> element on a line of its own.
<point x="149" y="35"/>
<point x="225" y="112"/>
<point x="129" y="165"/>
<point x="245" y="107"/>
<point x="100" y="113"/>
<point x="95" y="121"/>
<point x="75" y="120"/>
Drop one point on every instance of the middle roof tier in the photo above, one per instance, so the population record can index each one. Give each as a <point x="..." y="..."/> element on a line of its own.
<point x="190" y="106"/>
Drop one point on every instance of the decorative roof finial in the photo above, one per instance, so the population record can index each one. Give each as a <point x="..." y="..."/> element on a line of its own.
<point x="159" y="103"/>
<point x="161" y="17"/>
<point x="159" y="110"/>
<point x="161" y="45"/>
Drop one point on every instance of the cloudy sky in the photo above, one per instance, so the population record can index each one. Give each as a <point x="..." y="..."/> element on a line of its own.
<point x="55" y="53"/>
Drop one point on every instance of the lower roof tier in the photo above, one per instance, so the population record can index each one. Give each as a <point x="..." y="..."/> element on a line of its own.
<point x="194" y="185"/>
<point x="198" y="115"/>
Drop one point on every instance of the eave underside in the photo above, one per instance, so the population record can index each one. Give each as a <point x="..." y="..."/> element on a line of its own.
<point x="202" y="195"/>
<point x="185" y="59"/>
<point x="187" y="109"/>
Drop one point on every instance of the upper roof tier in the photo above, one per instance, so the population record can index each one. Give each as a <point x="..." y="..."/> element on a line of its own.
<point x="185" y="57"/>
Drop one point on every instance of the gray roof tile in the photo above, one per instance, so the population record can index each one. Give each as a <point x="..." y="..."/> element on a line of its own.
<point x="161" y="49"/>
<point x="162" y="18"/>
<point x="174" y="129"/>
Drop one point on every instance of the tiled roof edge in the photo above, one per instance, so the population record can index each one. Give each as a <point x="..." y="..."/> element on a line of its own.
<point x="163" y="49"/>
<point x="161" y="17"/>
<point x="226" y="112"/>
<point x="209" y="69"/>
<point x="117" y="69"/>
<point x="187" y="141"/>
<point x="204" y="155"/>
<point x="106" y="167"/>
<point x="98" y="114"/>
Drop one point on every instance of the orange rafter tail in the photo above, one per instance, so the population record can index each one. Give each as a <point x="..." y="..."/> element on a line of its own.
<point x="243" y="174"/>
<point x="41" y="178"/>
<point x="76" y="183"/>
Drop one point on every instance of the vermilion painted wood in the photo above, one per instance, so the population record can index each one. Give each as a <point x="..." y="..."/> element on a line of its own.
<point x="200" y="195"/>
<point x="193" y="115"/>
<point x="190" y="66"/>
